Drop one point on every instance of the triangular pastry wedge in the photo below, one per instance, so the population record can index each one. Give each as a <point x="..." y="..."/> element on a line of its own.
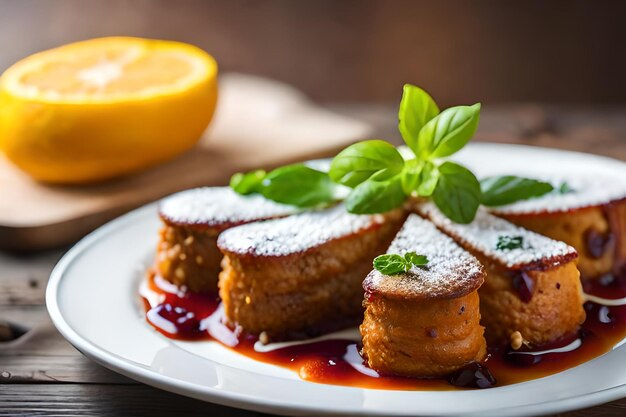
<point x="425" y="322"/>
<point x="590" y="215"/>
<point x="532" y="292"/>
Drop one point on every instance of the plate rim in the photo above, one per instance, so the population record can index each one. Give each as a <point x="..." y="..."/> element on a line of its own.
<point x="231" y="398"/>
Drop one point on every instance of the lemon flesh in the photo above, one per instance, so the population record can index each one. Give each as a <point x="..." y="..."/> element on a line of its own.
<point x="103" y="108"/>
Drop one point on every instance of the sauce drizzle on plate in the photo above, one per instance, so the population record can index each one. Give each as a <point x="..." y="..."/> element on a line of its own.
<point x="185" y="315"/>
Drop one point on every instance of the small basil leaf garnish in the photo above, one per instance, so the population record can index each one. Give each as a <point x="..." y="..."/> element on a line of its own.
<point x="448" y="132"/>
<point x="565" y="188"/>
<point x="417" y="107"/>
<point x="415" y="259"/>
<point x="457" y="193"/>
<point x="376" y="196"/>
<point x="358" y="162"/>
<point x="391" y="264"/>
<point x="298" y="185"/>
<point x="507" y="189"/>
<point x="247" y="183"/>
<point x="509" y="242"/>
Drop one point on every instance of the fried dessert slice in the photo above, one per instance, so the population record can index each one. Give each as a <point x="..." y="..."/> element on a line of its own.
<point x="532" y="293"/>
<point x="589" y="215"/>
<point x="300" y="276"/>
<point x="187" y="251"/>
<point x="425" y="322"/>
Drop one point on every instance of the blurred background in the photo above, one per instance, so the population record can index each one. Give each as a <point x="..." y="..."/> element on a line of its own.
<point x="492" y="51"/>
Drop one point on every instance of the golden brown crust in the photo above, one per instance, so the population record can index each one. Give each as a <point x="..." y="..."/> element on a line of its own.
<point x="554" y="310"/>
<point x="616" y="214"/>
<point x="288" y="310"/>
<point x="187" y="252"/>
<point x="430" y="338"/>
<point x="499" y="211"/>
<point x="575" y="226"/>
<point x="306" y="292"/>
<point x="571" y="228"/>
<point x="554" y="307"/>
<point x="473" y="279"/>
<point x="189" y="257"/>
<point x="451" y="272"/>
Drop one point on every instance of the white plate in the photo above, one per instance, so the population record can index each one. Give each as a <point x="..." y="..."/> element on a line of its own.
<point x="92" y="299"/>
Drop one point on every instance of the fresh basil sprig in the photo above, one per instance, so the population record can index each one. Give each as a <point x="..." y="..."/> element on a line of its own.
<point x="457" y="194"/>
<point x="375" y="159"/>
<point x="297" y="185"/>
<point x="411" y="176"/>
<point x="448" y="132"/>
<point x="381" y="179"/>
<point x="415" y="259"/>
<point x="509" y="242"/>
<point x="507" y="189"/>
<point x="429" y="179"/>
<point x="417" y="108"/>
<point x="373" y="196"/>
<point x="248" y="183"/>
<point x="392" y="264"/>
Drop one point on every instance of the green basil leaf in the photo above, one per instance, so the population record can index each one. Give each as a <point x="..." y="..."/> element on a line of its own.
<point x="415" y="259"/>
<point x="507" y="189"/>
<point x="411" y="175"/>
<point x="391" y="264"/>
<point x="417" y="107"/>
<point x="448" y="132"/>
<point x="376" y="197"/>
<point x="509" y="242"/>
<point x="457" y="194"/>
<point x="247" y="183"/>
<point x="298" y="185"/>
<point x="428" y="180"/>
<point x="565" y="188"/>
<point x="358" y="162"/>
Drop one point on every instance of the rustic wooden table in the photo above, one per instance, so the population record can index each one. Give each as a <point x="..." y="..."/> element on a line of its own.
<point x="42" y="374"/>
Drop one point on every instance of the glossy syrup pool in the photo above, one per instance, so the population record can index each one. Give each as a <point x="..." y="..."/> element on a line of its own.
<point x="184" y="315"/>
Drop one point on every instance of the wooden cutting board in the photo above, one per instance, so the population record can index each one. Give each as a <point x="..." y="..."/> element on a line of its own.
<point x="258" y="123"/>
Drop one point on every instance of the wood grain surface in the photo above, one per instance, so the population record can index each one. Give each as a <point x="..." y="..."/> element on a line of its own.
<point x="42" y="374"/>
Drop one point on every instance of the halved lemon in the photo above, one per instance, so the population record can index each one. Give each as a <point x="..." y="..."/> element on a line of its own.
<point x="103" y="108"/>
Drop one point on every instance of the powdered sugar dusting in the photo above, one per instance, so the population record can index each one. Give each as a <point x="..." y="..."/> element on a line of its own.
<point x="295" y="234"/>
<point x="219" y="206"/>
<point x="451" y="271"/>
<point x="587" y="190"/>
<point x="484" y="232"/>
